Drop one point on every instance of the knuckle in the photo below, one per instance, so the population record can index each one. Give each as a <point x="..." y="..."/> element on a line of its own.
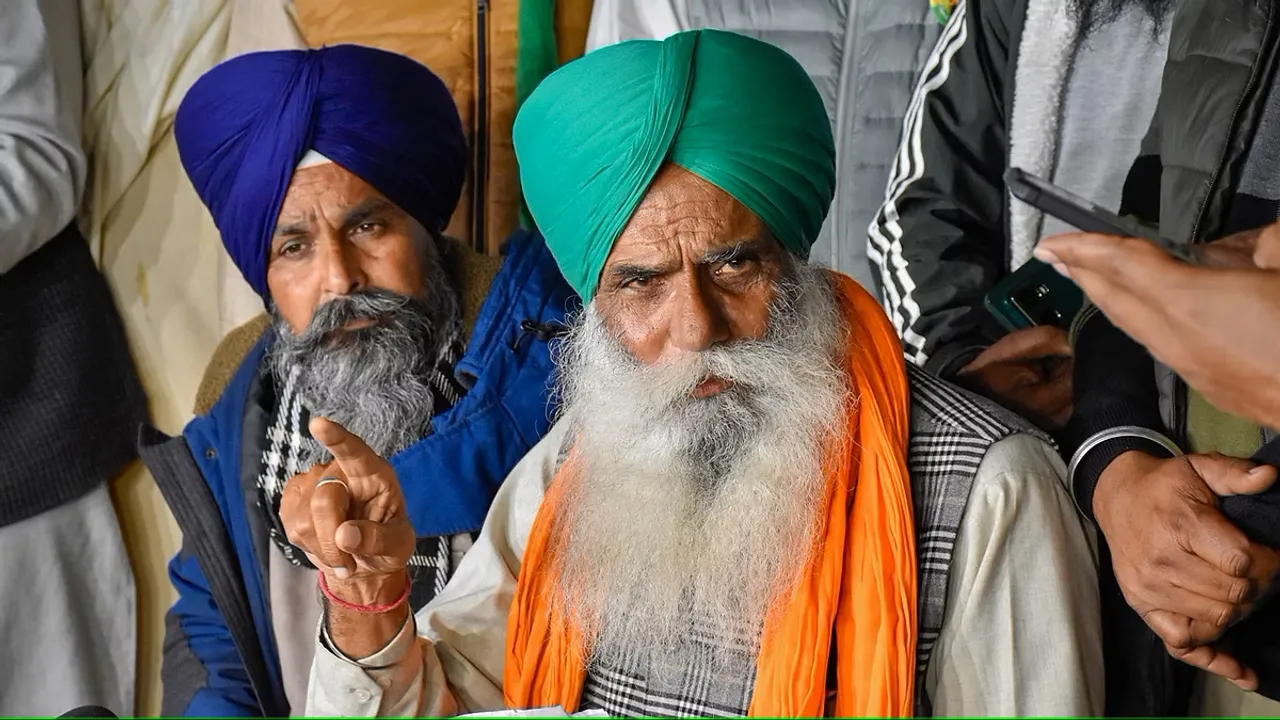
<point x="1237" y="561"/>
<point x="298" y="531"/>
<point x="1179" y="638"/>
<point x="322" y="503"/>
<point x="1175" y="634"/>
<point x="1224" y="615"/>
<point x="1239" y="590"/>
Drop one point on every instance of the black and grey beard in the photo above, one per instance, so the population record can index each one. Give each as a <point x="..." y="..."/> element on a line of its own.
<point x="1094" y="14"/>
<point x="374" y="381"/>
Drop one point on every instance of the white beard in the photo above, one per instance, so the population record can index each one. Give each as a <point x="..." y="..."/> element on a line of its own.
<point x="687" y="511"/>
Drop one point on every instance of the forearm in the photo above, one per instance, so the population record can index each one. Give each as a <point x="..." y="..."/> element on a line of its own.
<point x="403" y="679"/>
<point x="939" y="240"/>
<point x="42" y="164"/>
<point x="1114" y="386"/>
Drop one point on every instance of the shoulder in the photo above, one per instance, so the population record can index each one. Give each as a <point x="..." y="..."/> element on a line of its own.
<point x="939" y="407"/>
<point x="227" y="359"/>
<point x="475" y="274"/>
<point x="955" y="433"/>
<point x="516" y="505"/>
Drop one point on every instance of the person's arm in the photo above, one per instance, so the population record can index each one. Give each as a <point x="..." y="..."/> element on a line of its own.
<point x="1114" y="378"/>
<point x="201" y="672"/>
<point x="454" y="661"/>
<point x="1021" y="635"/>
<point x="1115" y="391"/>
<point x="939" y="242"/>
<point x="42" y="162"/>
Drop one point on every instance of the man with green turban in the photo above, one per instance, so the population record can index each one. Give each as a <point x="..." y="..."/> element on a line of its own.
<point x="739" y="113"/>
<point x="750" y="504"/>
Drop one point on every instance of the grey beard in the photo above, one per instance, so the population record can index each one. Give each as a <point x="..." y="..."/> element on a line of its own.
<point x="685" y="510"/>
<point x="373" y="381"/>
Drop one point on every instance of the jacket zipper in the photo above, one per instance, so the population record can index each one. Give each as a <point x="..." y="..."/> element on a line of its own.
<point x="846" y="106"/>
<point x="480" y="134"/>
<point x="1180" y="386"/>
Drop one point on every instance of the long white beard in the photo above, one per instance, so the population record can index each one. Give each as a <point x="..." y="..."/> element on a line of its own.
<point x="687" y="511"/>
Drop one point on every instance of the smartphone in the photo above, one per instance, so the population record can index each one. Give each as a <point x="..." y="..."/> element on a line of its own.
<point x="1082" y="214"/>
<point x="1035" y="294"/>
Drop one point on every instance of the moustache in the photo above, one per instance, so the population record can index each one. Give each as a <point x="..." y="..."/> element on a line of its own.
<point x="738" y="371"/>
<point x="384" y="308"/>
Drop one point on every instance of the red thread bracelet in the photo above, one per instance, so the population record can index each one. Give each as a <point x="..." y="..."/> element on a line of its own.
<point x="368" y="609"/>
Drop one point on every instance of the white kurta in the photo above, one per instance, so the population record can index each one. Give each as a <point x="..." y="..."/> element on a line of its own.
<point x="1021" y="635"/>
<point x="69" y="630"/>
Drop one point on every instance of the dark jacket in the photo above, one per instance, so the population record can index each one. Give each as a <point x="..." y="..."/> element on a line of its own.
<point x="70" y="397"/>
<point x="220" y="655"/>
<point x="946" y="193"/>
<point x="1222" y="63"/>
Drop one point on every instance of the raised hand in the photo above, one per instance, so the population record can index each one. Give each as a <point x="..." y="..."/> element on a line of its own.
<point x="349" y="517"/>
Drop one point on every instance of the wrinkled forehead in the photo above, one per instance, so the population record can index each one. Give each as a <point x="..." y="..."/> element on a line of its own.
<point x="681" y="208"/>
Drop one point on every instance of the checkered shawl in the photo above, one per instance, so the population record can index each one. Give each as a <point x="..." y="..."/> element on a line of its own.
<point x="951" y="431"/>
<point x="287" y="437"/>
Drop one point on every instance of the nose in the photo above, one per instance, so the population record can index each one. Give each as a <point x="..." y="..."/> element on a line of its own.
<point x="341" y="271"/>
<point x="699" y="322"/>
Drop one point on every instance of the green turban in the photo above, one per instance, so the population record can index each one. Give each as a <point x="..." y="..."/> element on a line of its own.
<point x="738" y="112"/>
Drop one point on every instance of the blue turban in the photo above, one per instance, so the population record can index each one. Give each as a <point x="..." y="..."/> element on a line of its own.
<point x="245" y="124"/>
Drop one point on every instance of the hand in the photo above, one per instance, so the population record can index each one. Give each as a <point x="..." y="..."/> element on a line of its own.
<point x="1184" y="567"/>
<point x="1027" y="371"/>
<point x="1234" y="251"/>
<point x="1258" y="248"/>
<point x="1187" y="315"/>
<point x="355" y="530"/>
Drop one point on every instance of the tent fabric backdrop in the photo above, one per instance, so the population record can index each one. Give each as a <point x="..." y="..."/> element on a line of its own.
<point x="175" y="288"/>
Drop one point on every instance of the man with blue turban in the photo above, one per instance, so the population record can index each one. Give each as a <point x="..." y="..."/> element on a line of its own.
<point x="331" y="175"/>
<point x="750" y="505"/>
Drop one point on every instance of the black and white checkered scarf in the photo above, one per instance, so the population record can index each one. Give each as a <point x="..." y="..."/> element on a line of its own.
<point x="288" y="439"/>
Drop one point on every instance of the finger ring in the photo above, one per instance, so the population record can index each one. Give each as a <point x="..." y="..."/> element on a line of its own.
<point x="330" y="479"/>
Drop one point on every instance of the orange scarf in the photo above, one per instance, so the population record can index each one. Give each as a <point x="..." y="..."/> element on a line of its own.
<point x="861" y="582"/>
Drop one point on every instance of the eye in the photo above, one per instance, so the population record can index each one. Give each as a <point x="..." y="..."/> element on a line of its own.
<point x="637" y="282"/>
<point x="734" y="266"/>
<point x="290" y="248"/>
<point x="367" y="227"/>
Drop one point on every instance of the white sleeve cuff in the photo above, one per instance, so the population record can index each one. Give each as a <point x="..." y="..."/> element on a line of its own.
<point x="345" y="687"/>
<point x="390" y="654"/>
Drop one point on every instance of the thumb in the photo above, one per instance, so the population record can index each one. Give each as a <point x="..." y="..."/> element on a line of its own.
<point x="1232" y="476"/>
<point x="362" y="537"/>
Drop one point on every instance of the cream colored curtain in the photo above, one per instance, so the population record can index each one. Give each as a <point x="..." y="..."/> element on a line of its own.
<point x="174" y="285"/>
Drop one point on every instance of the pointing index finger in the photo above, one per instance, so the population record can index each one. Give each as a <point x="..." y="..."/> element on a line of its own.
<point x="356" y="459"/>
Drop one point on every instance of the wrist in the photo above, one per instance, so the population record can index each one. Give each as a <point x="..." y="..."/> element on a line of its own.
<point x="1118" y="474"/>
<point x="368" y="590"/>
